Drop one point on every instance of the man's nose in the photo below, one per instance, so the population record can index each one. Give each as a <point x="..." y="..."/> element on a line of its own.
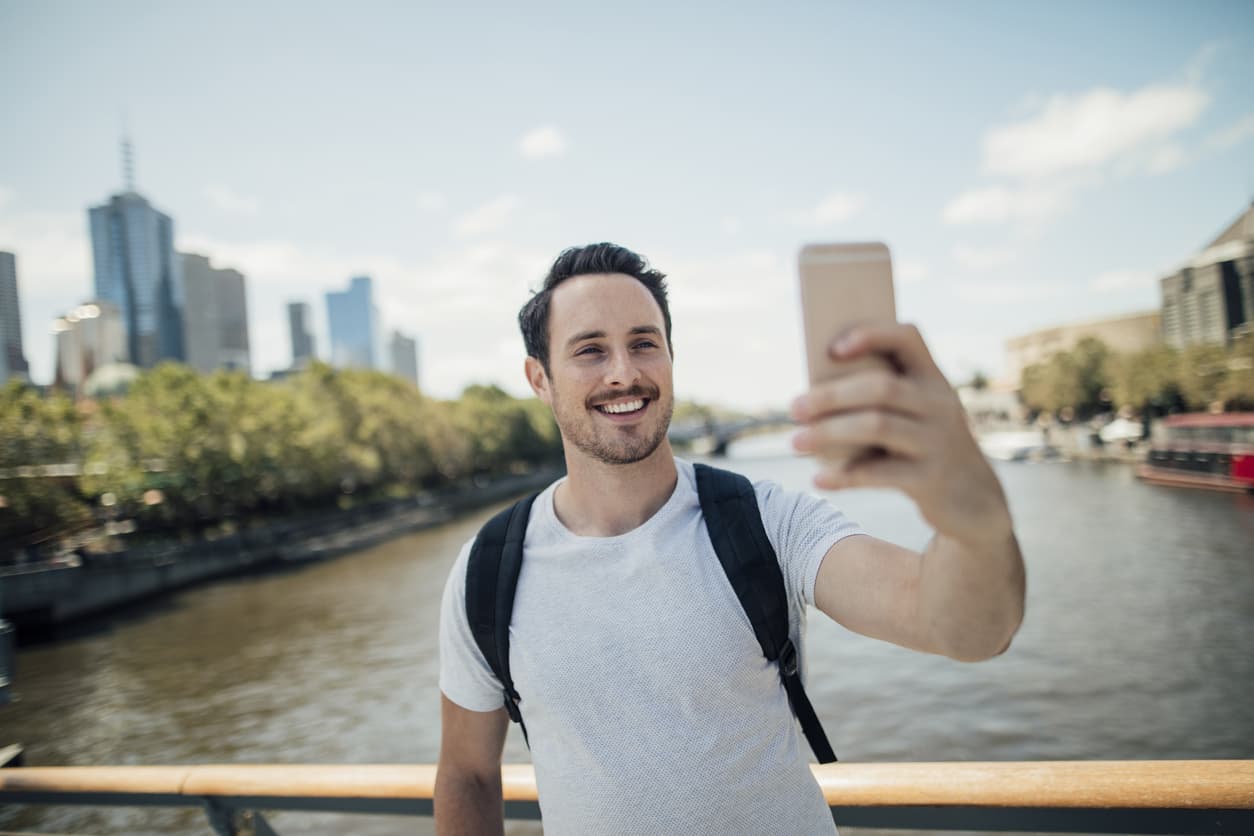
<point x="622" y="370"/>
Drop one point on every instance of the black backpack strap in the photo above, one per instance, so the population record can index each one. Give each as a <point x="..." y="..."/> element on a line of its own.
<point x="732" y="516"/>
<point x="491" y="580"/>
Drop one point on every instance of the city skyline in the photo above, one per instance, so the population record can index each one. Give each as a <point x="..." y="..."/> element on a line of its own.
<point x="452" y="163"/>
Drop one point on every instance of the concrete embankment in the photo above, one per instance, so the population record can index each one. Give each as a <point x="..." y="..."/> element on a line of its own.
<point x="47" y="594"/>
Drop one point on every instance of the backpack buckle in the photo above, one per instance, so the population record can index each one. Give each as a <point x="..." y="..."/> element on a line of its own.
<point x="511" y="707"/>
<point x="788" y="659"/>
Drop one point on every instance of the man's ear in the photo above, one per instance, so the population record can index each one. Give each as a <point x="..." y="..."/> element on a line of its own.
<point x="538" y="379"/>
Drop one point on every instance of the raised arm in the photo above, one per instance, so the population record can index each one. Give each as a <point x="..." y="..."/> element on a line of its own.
<point x="963" y="596"/>
<point x="468" y="782"/>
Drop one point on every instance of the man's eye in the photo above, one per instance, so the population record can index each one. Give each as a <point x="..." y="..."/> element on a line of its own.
<point x="646" y="344"/>
<point x="588" y="349"/>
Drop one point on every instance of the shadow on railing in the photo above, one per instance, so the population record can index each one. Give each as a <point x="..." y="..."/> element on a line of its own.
<point x="1159" y="797"/>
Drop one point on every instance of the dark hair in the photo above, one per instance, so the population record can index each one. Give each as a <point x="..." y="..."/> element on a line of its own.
<point x="590" y="259"/>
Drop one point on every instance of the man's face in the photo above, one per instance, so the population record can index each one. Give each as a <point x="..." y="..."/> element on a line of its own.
<point x="609" y="377"/>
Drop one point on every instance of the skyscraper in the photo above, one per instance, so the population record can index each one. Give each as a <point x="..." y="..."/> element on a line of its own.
<point x="354" y="325"/>
<point x="12" y="357"/>
<point x="404" y="353"/>
<point x="133" y="250"/>
<point x="87" y="338"/>
<point x="1210" y="298"/>
<point x="302" y="338"/>
<point x="216" y="316"/>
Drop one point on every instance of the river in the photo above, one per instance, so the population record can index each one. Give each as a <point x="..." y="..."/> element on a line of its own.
<point x="1136" y="645"/>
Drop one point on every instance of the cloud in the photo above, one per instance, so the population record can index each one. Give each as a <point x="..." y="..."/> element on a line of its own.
<point x="836" y="208"/>
<point x="1091" y="129"/>
<point x="1165" y="159"/>
<point x="1002" y="291"/>
<point x="983" y="258"/>
<point x="1234" y="134"/>
<point x="430" y="201"/>
<point x="487" y="218"/>
<point x="1113" y="281"/>
<point x="546" y="141"/>
<point x="909" y="271"/>
<point x="1058" y="146"/>
<point x="227" y="200"/>
<point x="999" y="204"/>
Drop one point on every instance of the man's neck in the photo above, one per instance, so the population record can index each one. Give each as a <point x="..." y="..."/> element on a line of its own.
<point x="605" y="500"/>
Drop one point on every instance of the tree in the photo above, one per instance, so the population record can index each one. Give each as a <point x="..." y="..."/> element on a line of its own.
<point x="1147" y="379"/>
<point x="1203" y="375"/>
<point x="1078" y="379"/>
<point x="35" y="433"/>
<point x="1237" y="389"/>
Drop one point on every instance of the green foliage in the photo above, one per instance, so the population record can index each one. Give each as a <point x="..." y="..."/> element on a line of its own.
<point x="1090" y="378"/>
<point x="1237" y="389"/>
<point x="183" y="450"/>
<point x="37" y="432"/>
<point x="1147" y="378"/>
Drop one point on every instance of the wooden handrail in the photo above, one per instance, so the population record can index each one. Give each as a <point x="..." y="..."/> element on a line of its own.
<point x="1219" y="784"/>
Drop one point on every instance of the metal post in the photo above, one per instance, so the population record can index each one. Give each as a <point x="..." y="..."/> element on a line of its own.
<point x="221" y="818"/>
<point x="261" y="827"/>
<point x="7" y="660"/>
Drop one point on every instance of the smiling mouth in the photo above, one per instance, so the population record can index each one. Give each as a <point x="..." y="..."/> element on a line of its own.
<point x="624" y="407"/>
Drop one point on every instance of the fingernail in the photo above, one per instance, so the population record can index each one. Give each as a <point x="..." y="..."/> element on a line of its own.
<point x="801" y="407"/>
<point x="801" y="441"/>
<point x="844" y="344"/>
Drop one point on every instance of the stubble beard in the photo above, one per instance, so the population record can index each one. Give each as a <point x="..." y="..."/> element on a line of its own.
<point x="613" y="446"/>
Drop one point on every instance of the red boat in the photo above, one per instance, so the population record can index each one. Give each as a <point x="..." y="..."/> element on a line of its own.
<point x="1204" y="450"/>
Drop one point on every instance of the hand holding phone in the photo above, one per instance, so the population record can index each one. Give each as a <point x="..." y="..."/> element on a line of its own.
<point x="843" y="285"/>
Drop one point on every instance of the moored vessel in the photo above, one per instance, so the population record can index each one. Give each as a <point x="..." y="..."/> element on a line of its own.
<point x="1204" y="450"/>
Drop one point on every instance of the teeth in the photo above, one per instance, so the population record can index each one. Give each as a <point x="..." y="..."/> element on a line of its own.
<point x="616" y="408"/>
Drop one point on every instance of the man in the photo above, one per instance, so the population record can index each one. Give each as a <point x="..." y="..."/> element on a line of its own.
<point x="650" y="706"/>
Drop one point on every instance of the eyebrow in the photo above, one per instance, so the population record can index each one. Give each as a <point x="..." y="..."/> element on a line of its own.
<point x="600" y="335"/>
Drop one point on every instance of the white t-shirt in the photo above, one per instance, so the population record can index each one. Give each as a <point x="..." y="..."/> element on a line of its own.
<point x="649" y="704"/>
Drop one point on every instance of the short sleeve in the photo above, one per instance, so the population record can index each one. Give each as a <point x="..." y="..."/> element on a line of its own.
<point x="801" y="528"/>
<point x="465" y="677"/>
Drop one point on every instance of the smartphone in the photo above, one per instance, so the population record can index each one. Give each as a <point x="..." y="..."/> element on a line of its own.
<point x="843" y="285"/>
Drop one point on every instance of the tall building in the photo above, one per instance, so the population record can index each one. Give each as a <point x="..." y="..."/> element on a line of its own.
<point x="133" y="249"/>
<point x="216" y="318"/>
<point x="88" y="338"/>
<point x="354" y="325"/>
<point x="12" y="357"/>
<point x="1210" y="298"/>
<point x="404" y="355"/>
<point x="298" y="321"/>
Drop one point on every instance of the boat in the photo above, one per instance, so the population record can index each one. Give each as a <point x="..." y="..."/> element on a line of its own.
<point x="1204" y="450"/>
<point x="1016" y="445"/>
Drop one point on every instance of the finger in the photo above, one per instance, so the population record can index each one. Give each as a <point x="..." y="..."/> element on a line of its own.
<point x="874" y="471"/>
<point x="866" y="390"/>
<point x="867" y="428"/>
<point x="902" y="342"/>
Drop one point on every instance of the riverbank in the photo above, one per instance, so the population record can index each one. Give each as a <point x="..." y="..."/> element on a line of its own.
<point x="1077" y="443"/>
<point x="40" y="596"/>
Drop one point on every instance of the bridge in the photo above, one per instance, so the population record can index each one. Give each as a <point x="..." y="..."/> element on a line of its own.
<point x="712" y="435"/>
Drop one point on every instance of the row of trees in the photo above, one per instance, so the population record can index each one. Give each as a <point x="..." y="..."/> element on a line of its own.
<point x="1091" y="379"/>
<point x="181" y="449"/>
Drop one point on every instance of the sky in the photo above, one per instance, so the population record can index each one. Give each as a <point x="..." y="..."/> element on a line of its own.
<point x="1027" y="164"/>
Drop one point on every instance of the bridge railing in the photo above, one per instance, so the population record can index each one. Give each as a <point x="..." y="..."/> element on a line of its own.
<point x="1157" y="797"/>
